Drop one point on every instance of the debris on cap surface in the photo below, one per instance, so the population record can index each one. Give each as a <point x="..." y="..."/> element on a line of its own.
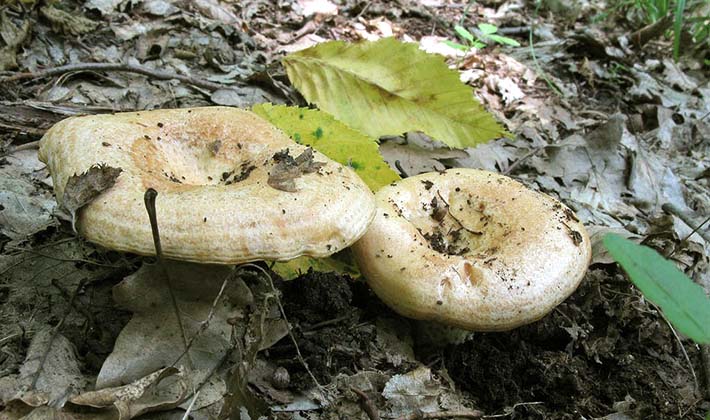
<point x="211" y="167"/>
<point x="472" y="249"/>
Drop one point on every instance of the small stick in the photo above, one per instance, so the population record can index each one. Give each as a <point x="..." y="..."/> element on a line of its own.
<point x="705" y="359"/>
<point x="290" y="332"/>
<point x="366" y="404"/>
<point x="517" y="30"/>
<point x="124" y="67"/>
<point x="448" y="209"/>
<point x="325" y="323"/>
<point x="649" y="32"/>
<point x="27" y="146"/>
<point x="468" y="414"/>
<point x="78" y="308"/>
<point x="206" y="322"/>
<point x="688" y="220"/>
<point x="525" y="157"/>
<point x="149" y="198"/>
<point x="55" y="332"/>
<point x="401" y="170"/>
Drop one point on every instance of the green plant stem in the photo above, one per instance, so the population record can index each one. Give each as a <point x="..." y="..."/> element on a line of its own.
<point x="539" y="69"/>
<point x="678" y="27"/>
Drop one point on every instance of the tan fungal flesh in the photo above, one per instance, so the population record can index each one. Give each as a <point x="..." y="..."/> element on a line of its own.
<point x="472" y="249"/>
<point x="210" y="167"/>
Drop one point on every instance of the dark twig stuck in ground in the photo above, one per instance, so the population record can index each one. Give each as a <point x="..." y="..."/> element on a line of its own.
<point x="150" y="196"/>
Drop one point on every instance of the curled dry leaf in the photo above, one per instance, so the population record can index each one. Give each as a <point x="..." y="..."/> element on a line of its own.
<point x="82" y="189"/>
<point x="288" y="168"/>
<point x="49" y="374"/>
<point x="163" y="389"/>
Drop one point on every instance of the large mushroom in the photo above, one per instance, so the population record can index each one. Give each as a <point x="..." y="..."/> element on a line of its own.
<point x="472" y="249"/>
<point x="232" y="187"/>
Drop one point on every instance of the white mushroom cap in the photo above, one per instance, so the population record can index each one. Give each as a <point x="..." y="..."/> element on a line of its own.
<point x="472" y="249"/>
<point x="210" y="167"/>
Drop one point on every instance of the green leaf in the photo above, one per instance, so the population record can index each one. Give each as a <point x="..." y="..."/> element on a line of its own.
<point x="677" y="28"/>
<point x="683" y="302"/>
<point x="341" y="263"/>
<point x="504" y="40"/>
<point x="456" y="45"/>
<point x="464" y="33"/>
<point x="487" y="28"/>
<point x="389" y="87"/>
<point x="334" y="139"/>
<point x="478" y="44"/>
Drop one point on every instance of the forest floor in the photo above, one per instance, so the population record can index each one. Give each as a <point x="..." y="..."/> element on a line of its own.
<point x="602" y="119"/>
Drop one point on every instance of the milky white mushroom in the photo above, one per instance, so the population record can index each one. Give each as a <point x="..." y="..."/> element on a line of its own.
<point x="472" y="249"/>
<point x="232" y="188"/>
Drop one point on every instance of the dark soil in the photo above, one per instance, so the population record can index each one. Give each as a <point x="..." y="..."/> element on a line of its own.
<point x="606" y="352"/>
<point x="585" y="359"/>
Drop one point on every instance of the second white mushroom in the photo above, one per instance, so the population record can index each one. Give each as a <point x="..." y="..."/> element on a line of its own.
<point x="472" y="249"/>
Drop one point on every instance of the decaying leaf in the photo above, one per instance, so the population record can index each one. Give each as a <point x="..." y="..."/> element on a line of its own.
<point x="415" y="390"/>
<point x="49" y="375"/>
<point x="283" y="175"/>
<point x="82" y="189"/>
<point x="66" y="22"/>
<point x="334" y="139"/>
<point x="163" y="389"/>
<point x="418" y="153"/>
<point x="153" y="339"/>
<point x="25" y="210"/>
<point x="388" y="88"/>
<point x="12" y="37"/>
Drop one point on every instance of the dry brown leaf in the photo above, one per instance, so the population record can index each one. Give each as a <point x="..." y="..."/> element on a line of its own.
<point x="82" y="189"/>
<point x="287" y="169"/>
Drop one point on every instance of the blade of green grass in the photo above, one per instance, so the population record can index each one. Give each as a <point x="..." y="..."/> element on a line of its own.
<point x="682" y="301"/>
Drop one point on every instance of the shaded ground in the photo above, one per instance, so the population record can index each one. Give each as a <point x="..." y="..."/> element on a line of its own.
<point x="604" y="352"/>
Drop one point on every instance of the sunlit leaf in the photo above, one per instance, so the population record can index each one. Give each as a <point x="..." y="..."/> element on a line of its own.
<point x="683" y="302"/>
<point x="504" y="40"/>
<point x="487" y="28"/>
<point x="334" y="139"/>
<point x="456" y="45"/>
<point x="389" y="87"/>
<point x="341" y="263"/>
<point x="464" y="33"/>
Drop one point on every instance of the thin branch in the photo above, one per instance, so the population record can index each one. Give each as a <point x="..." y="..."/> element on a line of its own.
<point x="149" y="198"/>
<point x="649" y="32"/>
<point x="680" y="343"/>
<point x="367" y="405"/>
<point x="124" y="67"/>
<point x="688" y="220"/>
<point x="465" y="414"/>
<point x="210" y="315"/>
<point x="289" y="329"/>
<point x="27" y="146"/>
<point x="522" y="159"/>
<point x="55" y="332"/>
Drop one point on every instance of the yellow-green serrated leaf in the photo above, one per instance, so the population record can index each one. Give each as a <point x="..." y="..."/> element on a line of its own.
<point x="389" y="87"/>
<point x="334" y="139"/>
<point x="341" y="263"/>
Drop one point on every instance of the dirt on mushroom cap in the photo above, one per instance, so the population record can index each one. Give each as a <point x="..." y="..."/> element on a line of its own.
<point x="211" y="168"/>
<point x="497" y="256"/>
